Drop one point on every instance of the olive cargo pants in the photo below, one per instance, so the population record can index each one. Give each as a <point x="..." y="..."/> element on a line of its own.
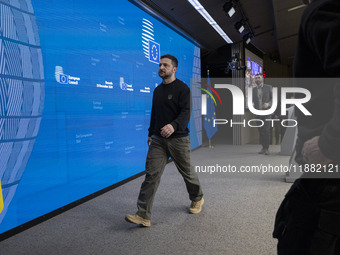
<point x="159" y="152"/>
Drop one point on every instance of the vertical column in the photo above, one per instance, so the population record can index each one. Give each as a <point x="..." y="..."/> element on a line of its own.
<point x="238" y="80"/>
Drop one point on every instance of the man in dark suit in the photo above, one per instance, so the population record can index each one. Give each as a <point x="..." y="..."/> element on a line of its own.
<point x="262" y="100"/>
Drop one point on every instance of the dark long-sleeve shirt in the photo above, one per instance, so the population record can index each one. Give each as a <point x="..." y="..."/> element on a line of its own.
<point x="170" y="105"/>
<point x="318" y="55"/>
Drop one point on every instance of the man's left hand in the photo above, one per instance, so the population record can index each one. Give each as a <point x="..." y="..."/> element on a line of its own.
<point x="265" y="105"/>
<point x="167" y="130"/>
<point x="312" y="154"/>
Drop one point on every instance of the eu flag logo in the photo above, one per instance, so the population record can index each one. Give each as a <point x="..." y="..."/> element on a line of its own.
<point x="154" y="52"/>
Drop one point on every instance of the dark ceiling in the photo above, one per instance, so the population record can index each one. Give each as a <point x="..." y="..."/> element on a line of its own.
<point x="274" y="27"/>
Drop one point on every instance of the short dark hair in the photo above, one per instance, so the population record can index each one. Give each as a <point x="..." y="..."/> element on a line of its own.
<point x="174" y="60"/>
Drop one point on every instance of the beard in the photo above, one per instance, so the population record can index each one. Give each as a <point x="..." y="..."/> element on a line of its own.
<point x="164" y="75"/>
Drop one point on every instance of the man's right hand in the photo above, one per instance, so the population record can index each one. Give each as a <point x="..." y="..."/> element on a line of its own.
<point x="149" y="140"/>
<point x="312" y="153"/>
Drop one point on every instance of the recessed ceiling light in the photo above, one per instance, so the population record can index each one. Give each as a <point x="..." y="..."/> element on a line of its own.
<point x="296" y="7"/>
<point x="229" y="7"/>
<point x="201" y="10"/>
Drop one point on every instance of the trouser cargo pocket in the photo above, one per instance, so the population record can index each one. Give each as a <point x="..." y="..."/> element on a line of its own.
<point x="326" y="237"/>
<point x="295" y="222"/>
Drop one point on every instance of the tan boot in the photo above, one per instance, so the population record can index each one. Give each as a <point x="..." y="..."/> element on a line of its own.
<point x="136" y="219"/>
<point x="196" y="207"/>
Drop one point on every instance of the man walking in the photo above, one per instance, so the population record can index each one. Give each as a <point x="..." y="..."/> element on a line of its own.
<point x="168" y="137"/>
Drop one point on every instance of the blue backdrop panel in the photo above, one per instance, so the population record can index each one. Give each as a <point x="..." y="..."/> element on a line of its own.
<point x="76" y="85"/>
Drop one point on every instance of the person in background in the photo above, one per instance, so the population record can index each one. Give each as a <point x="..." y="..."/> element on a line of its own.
<point x="262" y="100"/>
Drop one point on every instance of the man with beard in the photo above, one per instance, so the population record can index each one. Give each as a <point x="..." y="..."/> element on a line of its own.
<point x="262" y="100"/>
<point x="308" y="220"/>
<point x="168" y="137"/>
